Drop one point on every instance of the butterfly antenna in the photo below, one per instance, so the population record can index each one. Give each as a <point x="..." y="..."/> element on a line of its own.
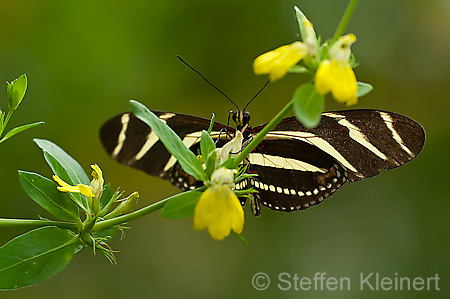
<point x="206" y="80"/>
<point x="256" y="94"/>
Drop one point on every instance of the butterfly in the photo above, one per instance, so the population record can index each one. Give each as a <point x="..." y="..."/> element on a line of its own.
<point x="296" y="167"/>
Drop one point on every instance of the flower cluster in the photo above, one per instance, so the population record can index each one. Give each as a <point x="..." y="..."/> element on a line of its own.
<point x="329" y="63"/>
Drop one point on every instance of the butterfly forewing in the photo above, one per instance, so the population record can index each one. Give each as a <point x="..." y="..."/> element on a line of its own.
<point x="132" y="142"/>
<point x="299" y="167"/>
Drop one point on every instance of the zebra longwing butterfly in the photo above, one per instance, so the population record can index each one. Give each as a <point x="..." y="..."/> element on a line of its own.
<point x="297" y="167"/>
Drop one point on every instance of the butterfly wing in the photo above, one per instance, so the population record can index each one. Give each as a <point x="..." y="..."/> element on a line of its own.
<point x="131" y="142"/>
<point x="299" y="167"/>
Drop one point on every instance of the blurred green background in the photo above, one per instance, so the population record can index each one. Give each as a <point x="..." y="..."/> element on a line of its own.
<point x="86" y="59"/>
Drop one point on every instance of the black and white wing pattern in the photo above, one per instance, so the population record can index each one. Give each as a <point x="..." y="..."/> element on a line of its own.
<point x="299" y="167"/>
<point x="131" y="142"/>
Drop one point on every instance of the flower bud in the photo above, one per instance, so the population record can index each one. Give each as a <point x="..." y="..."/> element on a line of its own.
<point x="222" y="176"/>
<point x="125" y="207"/>
<point x="16" y="91"/>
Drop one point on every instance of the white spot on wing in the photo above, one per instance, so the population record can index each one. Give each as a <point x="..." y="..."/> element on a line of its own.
<point x="333" y="115"/>
<point x="313" y="140"/>
<point x="282" y="162"/>
<point x="166" y="115"/>
<point x="152" y="138"/>
<point x="388" y="121"/>
<point x="122" y="135"/>
<point x="359" y="137"/>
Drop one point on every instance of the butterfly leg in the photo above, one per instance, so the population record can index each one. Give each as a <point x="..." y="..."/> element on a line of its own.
<point x="220" y="132"/>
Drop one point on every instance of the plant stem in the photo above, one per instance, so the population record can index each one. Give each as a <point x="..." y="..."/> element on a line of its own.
<point x="5" y="122"/>
<point x="4" y="222"/>
<point x="344" y="21"/>
<point x="258" y="138"/>
<point x="101" y="225"/>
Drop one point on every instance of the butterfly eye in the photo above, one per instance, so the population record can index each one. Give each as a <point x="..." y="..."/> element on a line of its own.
<point x="246" y="117"/>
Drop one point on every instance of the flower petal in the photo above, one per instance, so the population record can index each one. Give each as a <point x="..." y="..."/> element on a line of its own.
<point x="339" y="78"/>
<point x="85" y="190"/>
<point x="324" y="77"/>
<point x="231" y="148"/>
<point x="220" y="211"/>
<point x="64" y="187"/>
<point x="277" y="62"/>
<point x="341" y="49"/>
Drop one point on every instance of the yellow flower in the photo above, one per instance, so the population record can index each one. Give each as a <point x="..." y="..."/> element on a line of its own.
<point x="80" y="188"/>
<point x="336" y="75"/>
<point x="277" y="62"/>
<point x="97" y="181"/>
<point x="94" y="190"/>
<point x="219" y="209"/>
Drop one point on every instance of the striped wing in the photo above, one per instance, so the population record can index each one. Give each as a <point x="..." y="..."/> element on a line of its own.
<point x="132" y="143"/>
<point x="299" y="167"/>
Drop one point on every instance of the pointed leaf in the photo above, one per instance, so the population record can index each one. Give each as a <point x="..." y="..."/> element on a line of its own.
<point x="182" y="205"/>
<point x="206" y="145"/>
<point x="16" y="91"/>
<point x="363" y="88"/>
<point x="308" y="105"/>
<point x="17" y="130"/>
<point x="106" y="196"/>
<point x="43" y="191"/>
<point x="35" y="256"/>
<point x="300" y="15"/>
<point x="211" y="124"/>
<point x="187" y="159"/>
<point x="298" y="69"/>
<point x="70" y="165"/>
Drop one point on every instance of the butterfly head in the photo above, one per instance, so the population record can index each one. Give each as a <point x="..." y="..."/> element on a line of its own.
<point x="242" y="119"/>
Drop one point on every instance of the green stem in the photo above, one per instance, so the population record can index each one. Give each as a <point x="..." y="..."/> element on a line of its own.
<point x="258" y="138"/>
<point x="101" y="225"/>
<point x="4" y="222"/>
<point x="344" y="21"/>
<point x="5" y="122"/>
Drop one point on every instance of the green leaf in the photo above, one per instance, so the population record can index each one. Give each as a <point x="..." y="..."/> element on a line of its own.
<point x="308" y="105"/>
<point x="17" y="130"/>
<point x="35" y="256"/>
<point x="182" y="205"/>
<point x="240" y="237"/>
<point x="16" y="91"/>
<point x="108" y="199"/>
<point x="59" y="170"/>
<point x="43" y="191"/>
<point x="363" y="88"/>
<point x="106" y="195"/>
<point x="187" y="159"/>
<point x="298" y="69"/>
<point x="211" y="124"/>
<point x="206" y="145"/>
<point x="212" y="162"/>
<point x="299" y="14"/>
<point x="74" y="171"/>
